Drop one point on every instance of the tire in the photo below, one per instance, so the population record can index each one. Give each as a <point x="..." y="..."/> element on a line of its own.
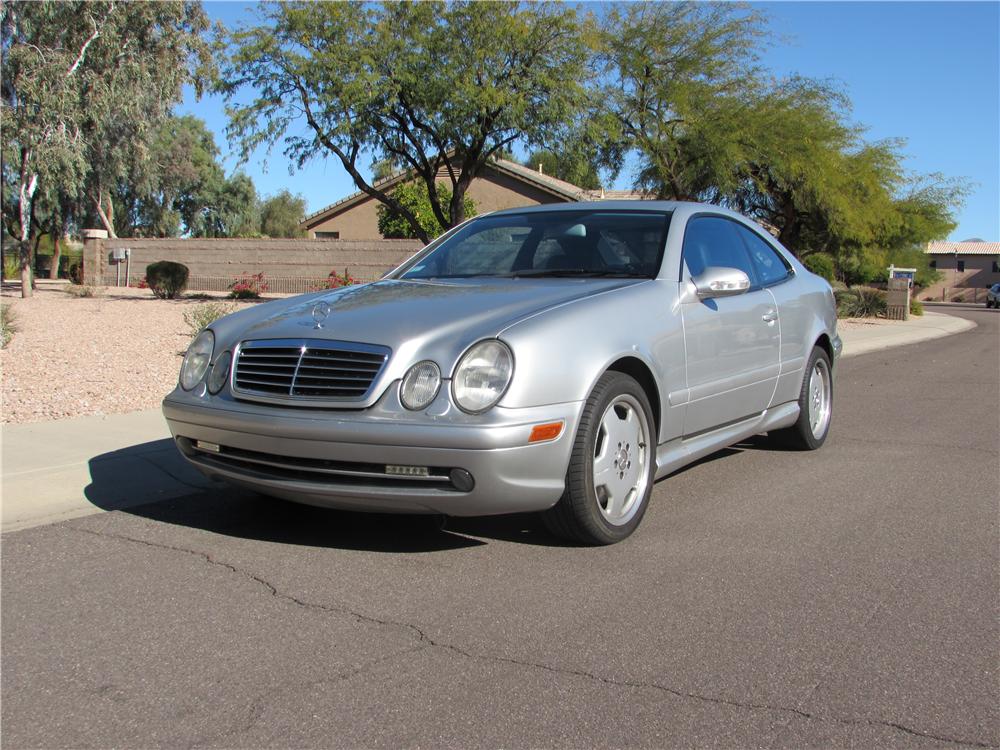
<point x="610" y="475"/>
<point x="815" y="406"/>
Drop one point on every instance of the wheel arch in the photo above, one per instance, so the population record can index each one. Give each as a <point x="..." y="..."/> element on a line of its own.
<point x="639" y="370"/>
<point x="824" y="343"/>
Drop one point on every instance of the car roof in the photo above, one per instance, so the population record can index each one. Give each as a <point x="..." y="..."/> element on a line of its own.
<point x="620" y="205"/>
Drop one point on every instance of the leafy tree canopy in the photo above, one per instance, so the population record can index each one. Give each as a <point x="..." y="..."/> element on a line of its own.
<point x="413" y="195"/>
<point x="86" y="85"/>
<point x="568" y="166"/>
<point x="280" y="215"/>
<point x="439" y="88"/>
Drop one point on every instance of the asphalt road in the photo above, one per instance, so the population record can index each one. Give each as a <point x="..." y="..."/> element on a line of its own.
<point x="847" y="597"/>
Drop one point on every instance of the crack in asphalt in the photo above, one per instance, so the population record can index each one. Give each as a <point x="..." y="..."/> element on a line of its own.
<point x="426" y="641"/>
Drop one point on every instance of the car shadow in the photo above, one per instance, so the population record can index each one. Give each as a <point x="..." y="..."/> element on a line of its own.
<point x="153" y="481"/>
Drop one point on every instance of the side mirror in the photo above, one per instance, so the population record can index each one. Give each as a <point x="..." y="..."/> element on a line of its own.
<point x="720" y="282"/>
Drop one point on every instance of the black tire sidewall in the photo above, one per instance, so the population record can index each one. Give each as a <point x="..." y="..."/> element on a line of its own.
<point x="580" y="490"/>
<point x="810" y="441"/>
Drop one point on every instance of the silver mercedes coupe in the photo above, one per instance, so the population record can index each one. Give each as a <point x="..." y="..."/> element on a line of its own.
<point x="555" y="358"/>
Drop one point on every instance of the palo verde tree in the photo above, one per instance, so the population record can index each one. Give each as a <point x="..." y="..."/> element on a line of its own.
<point x="437" y="88"/>
<point x="85" y="86"/>
<point x="669" y="69"/>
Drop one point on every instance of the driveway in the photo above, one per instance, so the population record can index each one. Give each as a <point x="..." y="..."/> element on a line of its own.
<point x="843" y="597"/>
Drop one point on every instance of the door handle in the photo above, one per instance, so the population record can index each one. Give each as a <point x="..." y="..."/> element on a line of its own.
<point x="769" y="317"/>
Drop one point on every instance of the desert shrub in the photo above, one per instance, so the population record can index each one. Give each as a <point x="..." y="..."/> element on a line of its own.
<point x="202" y="316"/>
<point x="958" y="298"/>
<point x="861" y="302"/>
<point x="8" y="325"/>
<point x="820" y="264"/>
<point x="11" y="266"/>
<point x="838" y="286"/>
<point x="915" y="307"/>
<point x="248" y="286"/>
<point x="84" y="290"/>
<point x="167" y="279"/>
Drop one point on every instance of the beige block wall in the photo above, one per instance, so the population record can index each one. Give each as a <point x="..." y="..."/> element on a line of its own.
<point x="213" y="263"/>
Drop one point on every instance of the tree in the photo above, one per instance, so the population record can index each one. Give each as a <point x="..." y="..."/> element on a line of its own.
<point x="85" y="85"/>
<point x="413" y="196"/>
<point x="233" y="211"/>
<point x="439" y="88"/>
<point x="567" y="165"/>
<point x="672" y="69"/>
<point x="184" y="179"/>
<point x="281" y="214"/>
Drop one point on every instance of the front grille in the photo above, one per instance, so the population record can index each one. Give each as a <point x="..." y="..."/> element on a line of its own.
<point x="307" y="369"/>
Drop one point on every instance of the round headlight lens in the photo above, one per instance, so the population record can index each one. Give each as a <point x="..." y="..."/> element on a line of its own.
<point x="482" y="376"/>
<point x="420" y="385"/>
<point x="196" y="360"/>
<point x="220" y="371"/>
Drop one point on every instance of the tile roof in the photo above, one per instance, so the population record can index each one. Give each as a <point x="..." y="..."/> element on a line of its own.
<point x="963" y="248"/>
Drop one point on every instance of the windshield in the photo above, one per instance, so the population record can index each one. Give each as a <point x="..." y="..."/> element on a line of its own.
<point x="557" y="243"/>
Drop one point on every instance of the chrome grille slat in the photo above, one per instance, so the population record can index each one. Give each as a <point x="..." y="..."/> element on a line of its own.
<point x="307" y="370"/>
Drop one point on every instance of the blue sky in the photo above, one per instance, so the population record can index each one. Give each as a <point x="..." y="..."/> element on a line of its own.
<point x="927" y="72"/>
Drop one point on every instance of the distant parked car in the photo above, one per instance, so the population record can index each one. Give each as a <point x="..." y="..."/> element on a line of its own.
<point x="554" y="358"/>
<point x="993" y="296"/>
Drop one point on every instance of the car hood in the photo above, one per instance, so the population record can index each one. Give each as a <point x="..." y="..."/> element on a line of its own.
<point x="433" y="318"/>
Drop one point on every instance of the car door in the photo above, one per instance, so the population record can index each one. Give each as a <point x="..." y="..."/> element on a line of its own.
<point x="732" y="343"/>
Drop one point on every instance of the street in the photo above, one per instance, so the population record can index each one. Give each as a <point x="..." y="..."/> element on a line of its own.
<point x="845" y="597"/>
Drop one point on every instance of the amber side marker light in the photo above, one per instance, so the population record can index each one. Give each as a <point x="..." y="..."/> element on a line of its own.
<point x="549" y="431"/>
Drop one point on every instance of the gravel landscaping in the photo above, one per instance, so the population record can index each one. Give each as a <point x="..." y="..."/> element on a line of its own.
<point x="71" y="356"/>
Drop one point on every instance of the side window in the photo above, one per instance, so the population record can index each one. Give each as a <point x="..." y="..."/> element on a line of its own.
<point x="711" y="241"/>
<point x="770" y="266"/>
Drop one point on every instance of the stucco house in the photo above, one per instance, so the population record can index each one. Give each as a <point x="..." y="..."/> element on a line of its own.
<point x="502" y="184"/>
<point x="964" y="265"/>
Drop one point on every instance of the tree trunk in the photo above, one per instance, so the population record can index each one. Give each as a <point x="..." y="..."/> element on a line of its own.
<point x="27" y="193"/>
<point x="56" y="251"/>
<point x="107" y="215"/>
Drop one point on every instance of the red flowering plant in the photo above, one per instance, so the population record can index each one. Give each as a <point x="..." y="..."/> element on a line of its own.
<point x="336" y="280"/>
<point x="248" y="286"/>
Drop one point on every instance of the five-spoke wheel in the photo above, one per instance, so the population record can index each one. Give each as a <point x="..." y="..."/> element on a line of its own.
<point x="610" y="474"/>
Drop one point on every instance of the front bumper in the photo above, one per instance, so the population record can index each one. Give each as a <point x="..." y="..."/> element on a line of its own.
<point x="340" y="458"/>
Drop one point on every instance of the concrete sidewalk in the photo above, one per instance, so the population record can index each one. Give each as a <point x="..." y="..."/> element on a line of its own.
<point x="863" y="336"/>
<point x="53" y="471"/>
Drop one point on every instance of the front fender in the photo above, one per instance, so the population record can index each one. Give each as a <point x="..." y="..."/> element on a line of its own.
<point x="560" y="353"/>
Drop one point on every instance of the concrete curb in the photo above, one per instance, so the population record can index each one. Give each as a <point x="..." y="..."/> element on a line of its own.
<point x="886" y="335"/>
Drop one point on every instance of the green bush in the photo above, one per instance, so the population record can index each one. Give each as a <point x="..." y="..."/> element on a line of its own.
<point x="820" y="264"/>
<point x="861" y="302"/>
<point x="915" y="307"/>
<point x="11" y="266"/>
<point x="167" y="279"/>
<point x="8" y="325"/>
<point x="203" y="316"/>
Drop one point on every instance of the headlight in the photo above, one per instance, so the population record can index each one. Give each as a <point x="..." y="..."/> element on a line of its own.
<point x="420" y="385"/>
<point x="220" y="371"/>
<point x="482" y="376"/>
<point x="196" y="360"/>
